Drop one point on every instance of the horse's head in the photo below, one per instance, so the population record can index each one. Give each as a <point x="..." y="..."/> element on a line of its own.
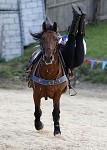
<point x="49" y="41"/>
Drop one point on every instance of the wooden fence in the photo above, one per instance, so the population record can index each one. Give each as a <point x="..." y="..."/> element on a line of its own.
<point x="61" y="11"/>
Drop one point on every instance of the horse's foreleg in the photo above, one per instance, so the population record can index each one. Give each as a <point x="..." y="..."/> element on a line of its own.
<point x="56" y="115"/>
<point x="38" y="124"/>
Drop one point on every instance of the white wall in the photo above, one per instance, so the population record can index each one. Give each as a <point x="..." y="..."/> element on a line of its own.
<point x="17" y="17"/>
<point x="10" y="39"/>
<point x="32" y="17"/>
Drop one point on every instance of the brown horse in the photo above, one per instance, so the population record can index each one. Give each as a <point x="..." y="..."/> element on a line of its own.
<point x="47" y="77"/>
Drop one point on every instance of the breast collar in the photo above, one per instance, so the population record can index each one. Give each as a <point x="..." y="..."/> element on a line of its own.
<point x="47" y="82"/>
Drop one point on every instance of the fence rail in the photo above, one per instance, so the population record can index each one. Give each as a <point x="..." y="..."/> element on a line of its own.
<point x="60" y="4"/>
<point x="61" y="11"/>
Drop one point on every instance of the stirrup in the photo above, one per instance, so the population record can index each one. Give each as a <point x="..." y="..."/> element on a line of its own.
<point x="75" y="93"/>
<point x="71" y="88"/>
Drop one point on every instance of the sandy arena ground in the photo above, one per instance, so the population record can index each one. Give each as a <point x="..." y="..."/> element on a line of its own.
<point x="83" y="120"/>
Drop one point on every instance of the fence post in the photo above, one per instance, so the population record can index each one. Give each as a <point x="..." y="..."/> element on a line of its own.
<point x="97" y="11"/>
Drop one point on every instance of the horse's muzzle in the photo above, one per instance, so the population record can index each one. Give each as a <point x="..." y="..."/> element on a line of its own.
<point x="48" y="59"/>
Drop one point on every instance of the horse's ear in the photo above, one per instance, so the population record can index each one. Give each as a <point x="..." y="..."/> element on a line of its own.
<point x="44" y="26"/>
<point x="55" y="26"/>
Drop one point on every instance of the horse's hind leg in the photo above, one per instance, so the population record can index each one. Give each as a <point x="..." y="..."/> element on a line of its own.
<point x="38" y="124"/>
<point x="56" y="115"/>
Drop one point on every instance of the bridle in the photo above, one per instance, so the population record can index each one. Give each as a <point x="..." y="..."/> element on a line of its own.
<point x="43" y="49"/>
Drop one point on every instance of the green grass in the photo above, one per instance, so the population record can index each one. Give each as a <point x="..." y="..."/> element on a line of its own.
<point x="96" y="37"/>
<point x="15" y="68"/>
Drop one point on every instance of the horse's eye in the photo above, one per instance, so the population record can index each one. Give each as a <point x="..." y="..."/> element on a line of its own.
<point x="43" y="38"/>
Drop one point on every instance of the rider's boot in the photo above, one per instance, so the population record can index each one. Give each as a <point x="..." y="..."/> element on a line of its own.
<point x="81" y="27"/>
<point x="73" y="28"/>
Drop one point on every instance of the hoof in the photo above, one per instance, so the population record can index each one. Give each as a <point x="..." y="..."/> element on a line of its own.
<point x="57" y="133"/>
<point x="57" y="130"/>
<point x="38" y="125"/>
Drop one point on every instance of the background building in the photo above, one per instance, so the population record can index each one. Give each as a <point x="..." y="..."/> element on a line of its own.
<point x="61" y="11"/>
<point x="17" y="17"/>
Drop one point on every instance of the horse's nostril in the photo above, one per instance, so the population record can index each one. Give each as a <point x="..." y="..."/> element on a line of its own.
<point x="45" y="57"/>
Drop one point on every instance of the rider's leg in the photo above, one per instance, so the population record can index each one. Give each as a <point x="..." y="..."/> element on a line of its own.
<point x="69" y="50"/>
<point x="79" y="50"/>
<point x="81" y="28"/>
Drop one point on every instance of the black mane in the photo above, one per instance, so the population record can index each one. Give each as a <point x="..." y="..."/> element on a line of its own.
<point x="38" y="36"/>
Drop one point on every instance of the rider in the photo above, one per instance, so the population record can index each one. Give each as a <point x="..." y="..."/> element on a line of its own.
<point x="73" y="51"/>
<point x="72" y="46"/>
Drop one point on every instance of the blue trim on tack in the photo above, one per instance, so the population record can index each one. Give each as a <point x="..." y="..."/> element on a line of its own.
<point x="47" y="82"/>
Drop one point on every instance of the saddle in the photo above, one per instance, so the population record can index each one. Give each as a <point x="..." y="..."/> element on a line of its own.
<point x="33" y="59"/>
